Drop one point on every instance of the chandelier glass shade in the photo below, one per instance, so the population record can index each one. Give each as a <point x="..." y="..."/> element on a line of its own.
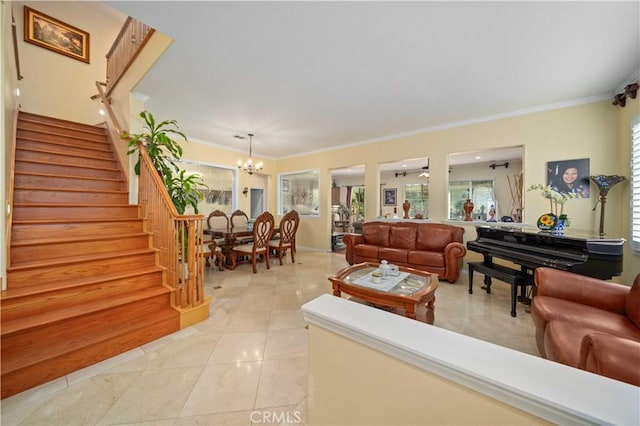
<point x="248" y="166"/>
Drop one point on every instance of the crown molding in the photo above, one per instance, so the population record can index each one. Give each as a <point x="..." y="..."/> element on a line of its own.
<point x="634" y="77"/>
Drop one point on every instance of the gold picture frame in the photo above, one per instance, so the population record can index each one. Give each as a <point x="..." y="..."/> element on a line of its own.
<point x="53" y="34"/>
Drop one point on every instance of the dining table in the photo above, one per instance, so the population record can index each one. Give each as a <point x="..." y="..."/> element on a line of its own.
<point x="231" y="237"/>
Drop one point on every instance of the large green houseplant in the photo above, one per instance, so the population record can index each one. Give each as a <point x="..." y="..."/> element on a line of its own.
<point x="183" y="188"/>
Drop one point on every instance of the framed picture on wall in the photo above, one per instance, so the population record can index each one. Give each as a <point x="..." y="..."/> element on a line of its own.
<point x="569" y="176"/>
<point x="50" y="33"/>
<point x="389" y="196"/>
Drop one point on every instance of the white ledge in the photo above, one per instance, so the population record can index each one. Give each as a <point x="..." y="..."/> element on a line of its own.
<point x="552" y="391"/>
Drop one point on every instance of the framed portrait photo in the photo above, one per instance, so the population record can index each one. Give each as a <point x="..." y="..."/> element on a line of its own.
<point x="53" y="34"/>
<point x="569" y="176"/>
<point x="389" y="196"/>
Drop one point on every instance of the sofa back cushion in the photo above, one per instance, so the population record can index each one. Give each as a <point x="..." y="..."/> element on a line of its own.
<point x="403" y="237"/>
<point x="633" y="302"/>
<point x="433" y="238"/>
<point x="376" y="234"/>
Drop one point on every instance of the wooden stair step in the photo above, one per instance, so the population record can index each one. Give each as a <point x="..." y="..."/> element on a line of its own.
<point x="61" y="148"/>
<point x="66" y="158"/>
<point x="79" y="267"/>
<point x="79" y="182"/>
<point x="89" y="133"/>
<point x="29" y="230"/>
<point x="32" y="211"/>
<point x="30" y="301"/>
<point x="53" y="248"/>
<point x="49" y="168"/>
<point x="68" y="195"/>
<point x="59" y="122"/>
<point x="100" y="318"/>
<point x="53" y="367"/>
<point x="100" y="142"/>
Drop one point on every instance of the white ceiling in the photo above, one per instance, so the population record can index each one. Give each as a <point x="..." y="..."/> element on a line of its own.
<point x="313" y="76"/>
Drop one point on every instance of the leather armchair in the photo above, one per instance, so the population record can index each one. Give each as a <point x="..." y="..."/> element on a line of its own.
<point x="588" y="323"/>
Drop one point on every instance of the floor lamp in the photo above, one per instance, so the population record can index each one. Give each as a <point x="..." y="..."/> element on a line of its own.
<point x="605" y="183"/>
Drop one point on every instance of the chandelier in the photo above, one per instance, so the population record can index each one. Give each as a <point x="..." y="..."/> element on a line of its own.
<point x="248" y="166"/>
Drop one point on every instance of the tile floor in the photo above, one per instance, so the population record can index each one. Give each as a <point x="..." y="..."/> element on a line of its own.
<point x="247" y="363"/>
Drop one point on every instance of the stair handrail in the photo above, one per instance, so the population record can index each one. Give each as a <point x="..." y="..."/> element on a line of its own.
<point x="128" y="43"/>
<point x="173" y="235"/>
<point x="14" y="36"/>
<point x="107" y="106"/>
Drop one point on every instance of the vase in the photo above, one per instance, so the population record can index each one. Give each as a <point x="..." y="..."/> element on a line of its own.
<point x="405" y="206"/>
<point x="547" y="222"/>
<point x="559" y="226"/>
<point x="468" y="209"/>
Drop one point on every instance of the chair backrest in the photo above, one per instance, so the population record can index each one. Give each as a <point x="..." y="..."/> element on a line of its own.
<point x="288" y="227"/>
<point x="262" y="230"/>
<point x="239" y="219"/>
<point x="218" y="220"/>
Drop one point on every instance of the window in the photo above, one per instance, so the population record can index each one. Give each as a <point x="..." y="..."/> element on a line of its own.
<point x="480" y="192"/>
<point x="417" y="194"/>
<point x="357" y="202"/>
<point x="219" y="192"/>
<point x="299" y="191"/>
<point x="635" y="184"/>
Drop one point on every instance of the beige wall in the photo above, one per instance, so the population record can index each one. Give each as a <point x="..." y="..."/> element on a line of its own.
<point x="57" y="85"/>
<point x="546" y="136"/>
<point x="382" y="390"/>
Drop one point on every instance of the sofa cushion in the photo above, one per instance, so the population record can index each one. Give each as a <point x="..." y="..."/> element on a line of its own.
<point x="547" y="309"/>
<point x="403" y="237"/>
<point x="376" y="234"/>
<point x="431" y="238"/>
<point x="632" y="306"/>
<point x="393" y="255"/>
<point x="366" y="250"/>
<point x="426" y="258"/>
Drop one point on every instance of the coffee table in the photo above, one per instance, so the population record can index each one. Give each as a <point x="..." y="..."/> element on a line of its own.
<point x="411" y="288"/>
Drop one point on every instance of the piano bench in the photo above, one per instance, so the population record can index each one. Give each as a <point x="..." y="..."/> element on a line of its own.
<point x="512" y="276"/>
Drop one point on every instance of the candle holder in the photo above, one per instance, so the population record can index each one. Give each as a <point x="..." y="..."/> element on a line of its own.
<point x="605" y="183"/>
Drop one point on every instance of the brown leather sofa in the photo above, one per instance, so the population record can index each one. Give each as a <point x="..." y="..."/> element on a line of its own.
<point x="430" y="247"/>
<point x="588" y="323"/>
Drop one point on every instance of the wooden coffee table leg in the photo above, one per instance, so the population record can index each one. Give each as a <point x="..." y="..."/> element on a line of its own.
<point x="336" y="291"/>
<point x="410" y="310"/>
<point x="431" y="308"/>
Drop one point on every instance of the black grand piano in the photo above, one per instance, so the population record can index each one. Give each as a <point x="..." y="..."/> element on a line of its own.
<point x="531" y="248"/>
<point x="570" y="251"/>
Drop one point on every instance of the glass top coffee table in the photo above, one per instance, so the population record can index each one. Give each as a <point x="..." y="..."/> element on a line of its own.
<point x="407" y="290"/>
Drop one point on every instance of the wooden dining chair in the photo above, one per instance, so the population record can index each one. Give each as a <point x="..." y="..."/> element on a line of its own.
<point x="210" y="250"/>
<point x="218" y="219"/>
<point x="239" y="220"/>
<point x="262" y="231"/>
<point x="287" y="241"/>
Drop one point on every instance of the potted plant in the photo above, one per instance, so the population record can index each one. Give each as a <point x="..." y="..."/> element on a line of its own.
<point x="185" y="190"/>
<point x="162" y="150"/>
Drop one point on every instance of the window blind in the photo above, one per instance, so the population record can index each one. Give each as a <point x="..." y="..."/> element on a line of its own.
<point x="635" y="184"/>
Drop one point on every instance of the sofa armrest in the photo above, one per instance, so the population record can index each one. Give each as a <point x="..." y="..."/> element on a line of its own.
<point x="452" y="253"/>
<point x="351" y="240"/>
<point x="611" y="356"/>
<point x="581" y="289"/>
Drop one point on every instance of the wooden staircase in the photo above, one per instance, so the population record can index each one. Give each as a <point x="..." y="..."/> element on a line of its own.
<point x="82" y="279"/>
